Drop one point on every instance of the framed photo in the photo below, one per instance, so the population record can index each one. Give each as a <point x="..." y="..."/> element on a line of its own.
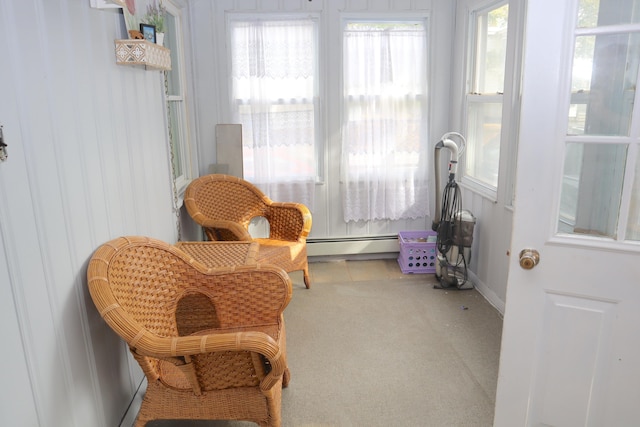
<point x="148" y="32"/>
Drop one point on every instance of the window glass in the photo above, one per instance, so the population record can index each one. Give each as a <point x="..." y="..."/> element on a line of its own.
<point x="603" y="85"/>
<point x="384" y="95"/>
<point x="274" y="90"/>
<point x="173" y="76"/>
<point x="491" y="50"/>
<point x="484" y="100"/>
<point x="592" y="13"/>
<point x="601" y="188"/>
<point x="384" y="168"/>
<point x="484" y="123"/>
<point x="592" y="189"/>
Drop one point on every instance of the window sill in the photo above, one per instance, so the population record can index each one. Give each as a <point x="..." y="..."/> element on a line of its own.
<point x="483" y="190"/>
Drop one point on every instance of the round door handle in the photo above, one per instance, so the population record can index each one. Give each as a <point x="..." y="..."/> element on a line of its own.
<point x="529" y="258"/>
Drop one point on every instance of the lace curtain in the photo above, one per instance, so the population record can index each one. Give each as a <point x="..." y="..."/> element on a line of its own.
<point x="274" y="92"/>
<point x="384" y="168"/>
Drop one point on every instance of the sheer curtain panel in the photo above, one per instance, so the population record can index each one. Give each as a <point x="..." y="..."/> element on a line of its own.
<point x="384" y="167"/>
<point x="274" y="90"/>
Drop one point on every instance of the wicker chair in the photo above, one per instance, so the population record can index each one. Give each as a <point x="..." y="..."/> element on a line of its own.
<point x="211" y="342"/>
<point x="225" y="205"/>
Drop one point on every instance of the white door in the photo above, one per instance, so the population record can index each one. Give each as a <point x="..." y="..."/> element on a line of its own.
<point x="571" y="337"/>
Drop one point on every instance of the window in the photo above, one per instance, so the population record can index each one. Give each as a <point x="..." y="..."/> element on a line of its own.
<point x="175" y="89"/>
<point x="275" y="98"/>
<point x="384" y="165"/>
<point x="488" y="51"/>
<point x="602" y="125"/>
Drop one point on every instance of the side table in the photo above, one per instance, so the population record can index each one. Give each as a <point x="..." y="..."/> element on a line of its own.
<point x="221" y="254"/>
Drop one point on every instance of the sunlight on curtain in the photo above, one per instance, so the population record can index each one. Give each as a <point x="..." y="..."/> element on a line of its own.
<point x="274" y="92"/>
<point x="384" y="137"/>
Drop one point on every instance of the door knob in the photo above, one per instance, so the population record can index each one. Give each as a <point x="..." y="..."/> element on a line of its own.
<point x="529" y="258"/>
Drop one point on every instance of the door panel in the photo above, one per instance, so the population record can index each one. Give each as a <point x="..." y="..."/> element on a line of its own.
<point x="570" y="374"/>
<point x="570" y="339"/>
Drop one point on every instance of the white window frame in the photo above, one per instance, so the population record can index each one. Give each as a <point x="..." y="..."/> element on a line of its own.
<point x="319" y="144"/>
<point x="349" y="18"/>
<point x="484" y="189"/>
<point x="184" y="147"/>
<point x="394" y="179"/>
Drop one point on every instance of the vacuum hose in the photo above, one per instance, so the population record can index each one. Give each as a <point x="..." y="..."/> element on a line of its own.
<point x="446" y="142"/>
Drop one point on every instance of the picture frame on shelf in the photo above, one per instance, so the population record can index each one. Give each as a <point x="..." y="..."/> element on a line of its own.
<point x="150" y="12"/>
<point x="148" y="32"/>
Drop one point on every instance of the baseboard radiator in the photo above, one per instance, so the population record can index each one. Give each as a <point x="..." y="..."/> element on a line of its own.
<point x="353" y="245"/>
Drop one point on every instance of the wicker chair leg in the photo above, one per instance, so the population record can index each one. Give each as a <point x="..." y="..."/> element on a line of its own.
<point x="307" y="279"/>
<point x="286" y="377"/>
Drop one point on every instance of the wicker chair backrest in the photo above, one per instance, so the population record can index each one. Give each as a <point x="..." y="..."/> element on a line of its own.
<point x="231" y="201"/>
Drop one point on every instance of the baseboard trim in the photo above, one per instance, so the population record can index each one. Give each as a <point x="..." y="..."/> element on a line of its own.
<point x="487" y="293"/>
<point x="353" y="245"/>
<point x="129" y="418"/>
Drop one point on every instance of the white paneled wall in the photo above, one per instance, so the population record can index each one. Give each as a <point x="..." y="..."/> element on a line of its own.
<point x="87" y="162"/>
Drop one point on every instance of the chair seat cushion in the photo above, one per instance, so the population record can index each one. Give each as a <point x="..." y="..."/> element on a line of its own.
<point x="290" y="256"/>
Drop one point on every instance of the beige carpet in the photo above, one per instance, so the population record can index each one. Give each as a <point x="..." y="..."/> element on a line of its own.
<point x="369" y="346"/>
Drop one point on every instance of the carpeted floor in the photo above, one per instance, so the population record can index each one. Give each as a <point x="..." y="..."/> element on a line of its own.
<point x="369" y="346"/>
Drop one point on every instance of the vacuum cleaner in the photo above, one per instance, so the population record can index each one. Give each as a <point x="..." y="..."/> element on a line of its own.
<point x="453" y="224"/>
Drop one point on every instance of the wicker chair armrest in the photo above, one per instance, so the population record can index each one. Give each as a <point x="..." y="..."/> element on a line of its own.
<point x="289" y="221"/>
<point x="259" y="342"/>
<point x="214" y="227"/>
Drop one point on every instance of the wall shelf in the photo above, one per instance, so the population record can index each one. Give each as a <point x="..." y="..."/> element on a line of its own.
<point x="142" y="52"/>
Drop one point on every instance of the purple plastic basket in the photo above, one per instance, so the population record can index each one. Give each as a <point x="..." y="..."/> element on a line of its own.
<point x="418" y="253"/>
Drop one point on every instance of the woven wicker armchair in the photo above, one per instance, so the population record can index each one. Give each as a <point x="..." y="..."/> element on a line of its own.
<point x="225" y="205"/>
<point x="211" y="342"/>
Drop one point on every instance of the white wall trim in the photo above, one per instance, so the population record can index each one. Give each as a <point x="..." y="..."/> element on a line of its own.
<point x="487" y="293"/>
<point x="129" y="417"/>
<point x="352" y="245"/>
